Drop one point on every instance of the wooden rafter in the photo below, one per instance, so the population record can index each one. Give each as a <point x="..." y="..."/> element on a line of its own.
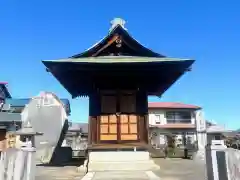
<point x="114" y="38"/>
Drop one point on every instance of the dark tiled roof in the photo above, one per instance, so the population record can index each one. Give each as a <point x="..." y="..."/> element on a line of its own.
<point x="172" y="105"/>
<point x="9" y="117"/>
<point x="23" y="101"/>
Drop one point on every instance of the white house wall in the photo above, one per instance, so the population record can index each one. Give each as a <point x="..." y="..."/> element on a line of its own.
<point x="153" y="112"/>
<point x="152" y="117"/>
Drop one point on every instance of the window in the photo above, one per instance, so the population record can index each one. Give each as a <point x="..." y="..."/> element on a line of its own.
<point x="157" y="119"/>
<point x="178" y="116"/>
<point x="217" y="137"/>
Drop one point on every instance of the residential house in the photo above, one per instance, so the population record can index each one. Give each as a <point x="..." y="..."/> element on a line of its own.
<point x="184" y="122"/>
<point x="217" y="132"/>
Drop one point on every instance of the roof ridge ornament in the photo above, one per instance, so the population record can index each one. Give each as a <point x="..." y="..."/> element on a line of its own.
<point x="117" y="21"/>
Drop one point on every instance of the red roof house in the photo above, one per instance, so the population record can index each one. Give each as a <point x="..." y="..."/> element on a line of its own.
<point x="171" y="105"/>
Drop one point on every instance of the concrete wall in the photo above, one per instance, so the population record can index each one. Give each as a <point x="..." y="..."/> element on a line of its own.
<point x="47" y="115"/>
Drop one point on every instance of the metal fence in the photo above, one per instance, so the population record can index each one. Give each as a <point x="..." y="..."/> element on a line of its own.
<point x="18" y="164"/>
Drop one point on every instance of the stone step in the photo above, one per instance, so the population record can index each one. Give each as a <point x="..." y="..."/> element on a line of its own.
<point x="123" y="166"/>
<point x="117" y="156"/>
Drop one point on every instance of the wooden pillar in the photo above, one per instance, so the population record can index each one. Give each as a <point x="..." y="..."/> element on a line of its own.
<point x="142" y="111"/>
<point x="89" y="129"/>
<point x="94" y="112"/>
<point x="146" y="129"/>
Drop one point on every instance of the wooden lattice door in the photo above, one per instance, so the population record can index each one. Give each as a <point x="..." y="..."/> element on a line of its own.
<point x="108" y="128"/>
<point x="128" y="127"/>
<point x="108" y="119"/>
<point x="118" y="120"/>
<point x="128" y="119"/>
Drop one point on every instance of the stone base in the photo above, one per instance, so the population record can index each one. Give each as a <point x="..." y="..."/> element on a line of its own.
<point x="121" y="161"/>
<point x="123" y="166"/>
<point x="118" y="156"/>
<point x="121" y="175"/>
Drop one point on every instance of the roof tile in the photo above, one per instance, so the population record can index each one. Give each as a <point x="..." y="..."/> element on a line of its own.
<point x="171" y="105"/>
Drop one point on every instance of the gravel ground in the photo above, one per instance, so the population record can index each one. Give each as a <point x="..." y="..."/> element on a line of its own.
<point x="180" y="169"/>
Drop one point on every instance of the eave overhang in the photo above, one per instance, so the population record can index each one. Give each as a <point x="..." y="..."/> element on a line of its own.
<point x="78" y="74"/>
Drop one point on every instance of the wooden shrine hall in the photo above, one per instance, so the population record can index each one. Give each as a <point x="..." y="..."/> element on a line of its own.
<point x="118" y="74"/>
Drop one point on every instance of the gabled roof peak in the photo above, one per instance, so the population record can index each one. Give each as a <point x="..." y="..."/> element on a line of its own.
<point x="117" y="22"/>
<point x="118" y="42"/>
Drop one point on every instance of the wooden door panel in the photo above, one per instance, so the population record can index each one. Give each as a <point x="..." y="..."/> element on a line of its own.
<point x="108" y="128"/>
<point x="128" y="103"/>
<point x="108" y="137"/>
<point x="123" y="118"/>
<point x="133" y="129"/>
<point x="113" y="129"/>
<point x="128" y="127"/>
<point x="104" y="119"/>
<point x="104" y="128"/>
<point x="108" y="104"/>
<point x="113" y="119"/>
<point x="124" y="129"/>
<point x="129" y="137"/>
<point x="133" y="118"/>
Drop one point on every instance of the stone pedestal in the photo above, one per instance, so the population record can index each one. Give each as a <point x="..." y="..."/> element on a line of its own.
<point x="120" y="161"/>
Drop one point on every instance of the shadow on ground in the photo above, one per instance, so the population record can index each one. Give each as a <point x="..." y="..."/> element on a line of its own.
<point x="74" y="162"/>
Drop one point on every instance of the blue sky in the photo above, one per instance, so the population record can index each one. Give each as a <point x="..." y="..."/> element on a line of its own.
<point x="208" y="31"/>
